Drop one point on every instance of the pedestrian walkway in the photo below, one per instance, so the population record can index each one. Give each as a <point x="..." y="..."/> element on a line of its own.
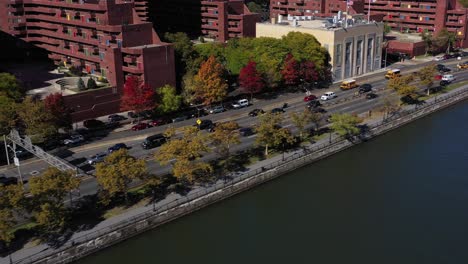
<point x="42" y="248"/>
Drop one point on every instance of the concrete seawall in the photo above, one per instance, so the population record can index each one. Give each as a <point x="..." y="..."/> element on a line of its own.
<point x="92" y="243"/>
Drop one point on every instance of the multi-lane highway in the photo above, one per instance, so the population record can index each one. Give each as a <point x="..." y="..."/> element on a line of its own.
<point x="133" y="139"/>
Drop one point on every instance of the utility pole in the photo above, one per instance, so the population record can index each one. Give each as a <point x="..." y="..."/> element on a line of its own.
<point x="6" y="150"/>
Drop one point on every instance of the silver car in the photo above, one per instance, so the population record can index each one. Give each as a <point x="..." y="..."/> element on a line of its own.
<point x="97" y="158"/>
<point x="216" y="109"/>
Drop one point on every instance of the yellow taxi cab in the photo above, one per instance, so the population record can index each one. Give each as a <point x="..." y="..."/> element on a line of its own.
<point x="463" y="65"/>
<point x="391" y="74"/>
<point x="349" y="84"/>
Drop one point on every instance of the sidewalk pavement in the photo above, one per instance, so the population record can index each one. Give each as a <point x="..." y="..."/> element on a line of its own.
<point x="32" y="250"/>
<point x="127" y="126"/>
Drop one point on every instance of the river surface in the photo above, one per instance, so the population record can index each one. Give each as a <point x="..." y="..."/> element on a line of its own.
<point x="400" y="198"/>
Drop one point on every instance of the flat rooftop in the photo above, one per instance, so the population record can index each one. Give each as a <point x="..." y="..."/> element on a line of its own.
<point x="146" y="46"/>
<point x="319" y="23"/>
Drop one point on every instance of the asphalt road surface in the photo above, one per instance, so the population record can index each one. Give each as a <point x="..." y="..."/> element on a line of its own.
<point x="78" y="155"/>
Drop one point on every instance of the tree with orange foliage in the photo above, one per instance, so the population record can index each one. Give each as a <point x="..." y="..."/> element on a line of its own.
<point x="210" y="86"/>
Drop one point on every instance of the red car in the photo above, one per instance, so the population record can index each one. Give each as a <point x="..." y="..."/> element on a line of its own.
<point x="140" y="126"/>
<point x="438" y="77"/>
<point x="310" y="98"/>
<point x="158" y="122"/>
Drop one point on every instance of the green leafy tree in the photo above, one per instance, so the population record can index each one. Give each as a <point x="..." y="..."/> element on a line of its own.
<point x="10" y="86"/>
<point x="270" y="133"/>
<point x="387" y="28"/>
<point x="117" y="171"/>
<point x="48" y="193"/>
<point x="446" y="38"/>
<point x="12" y="201"/>
<point x="464" y="3"/>
<point x="345" y="124"/>
<point x="7" y="223"/>
<point x="301" y="120"/>
<point x="225" y="135"/>
<point x="39" y="123"/>
<point x="169" y="101"/>
<point x="91" y="84"/>
<point x="184" y="154"/>
<point x="211" y="87"/>
<point x="188" y="89"/>
<point x="428" y="39"/>
<point x="80" y="84"/>
<point x="403" y="86"/>
<point x="305" y="47"/>
<point x="426" y="76"/>
<point x="8" y="114"/>
<point x="184" y="53"/>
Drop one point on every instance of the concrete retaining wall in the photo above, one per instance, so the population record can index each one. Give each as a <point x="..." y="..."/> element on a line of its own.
<point x="151" y="219"/>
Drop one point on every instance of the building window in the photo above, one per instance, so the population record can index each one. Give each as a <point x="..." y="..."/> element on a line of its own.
<point x="377" y="46"/>
<point x="359" y="53"/>
<point x="338" y="54"/>
<point x="370" y="43"/>
<point x="348" y="59"/>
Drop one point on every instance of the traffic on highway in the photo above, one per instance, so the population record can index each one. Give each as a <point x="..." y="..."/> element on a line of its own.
<point x="142" y="141"/>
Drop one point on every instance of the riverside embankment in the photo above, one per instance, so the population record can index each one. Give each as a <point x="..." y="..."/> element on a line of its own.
<point x="90" y="243"/>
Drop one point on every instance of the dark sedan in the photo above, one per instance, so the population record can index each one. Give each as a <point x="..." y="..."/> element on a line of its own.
<point x="277" y="110"/>
<point x="364" y="88"/>
<point x="116" y="147"/>
<point x="256" y="112"/>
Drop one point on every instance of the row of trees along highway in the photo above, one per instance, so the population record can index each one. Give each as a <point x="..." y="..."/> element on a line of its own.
<point x="258" y="64"/>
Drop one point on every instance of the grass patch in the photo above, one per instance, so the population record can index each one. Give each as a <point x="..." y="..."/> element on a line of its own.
<point x="319" y="137"/>
<point x="423" y="56"/>
<point x="122" y="208"/>
<point x="454" y="86"/>
<point x="447" y="89"/>
<point x="24" y="226"/>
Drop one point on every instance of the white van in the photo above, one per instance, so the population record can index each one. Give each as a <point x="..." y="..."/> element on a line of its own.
<point x="448" y="78"/>
<point x="241" y="103"/>
<point x="328" y="96"/>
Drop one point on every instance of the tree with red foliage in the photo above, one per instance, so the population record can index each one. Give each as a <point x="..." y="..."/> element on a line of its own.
<point x="290" y="72"/>
<point x="308" y="72"/>
<point x="137" y="95"/>
<point x="250" y="79"/>
<point x="55" y="104"/>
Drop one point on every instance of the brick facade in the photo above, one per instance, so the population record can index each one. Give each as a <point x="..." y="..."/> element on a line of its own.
<point x="431" y="15"/>
<point x="103" y="38"/>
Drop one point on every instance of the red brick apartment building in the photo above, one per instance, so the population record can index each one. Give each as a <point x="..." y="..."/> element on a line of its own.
<point x="413" y="16"/>
<point x="223" y="19"/>
<point x="417" y="16"/>
<point x="104" y="37"/>
<point x="217" y="19"/>
<point x="313" y="7"/>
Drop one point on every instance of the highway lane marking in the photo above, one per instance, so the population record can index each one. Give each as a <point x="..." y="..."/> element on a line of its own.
<point x="375" y="76"/>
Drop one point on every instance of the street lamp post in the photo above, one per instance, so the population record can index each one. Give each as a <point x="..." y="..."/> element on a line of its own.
<point x="17" y="163"/>
<point x="6" y="150"/>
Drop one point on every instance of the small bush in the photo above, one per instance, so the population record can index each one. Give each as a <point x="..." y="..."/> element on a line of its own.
<point x="91" y="84"/>
<point x="81" y="85"/>
<point x="76" y="71"/>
